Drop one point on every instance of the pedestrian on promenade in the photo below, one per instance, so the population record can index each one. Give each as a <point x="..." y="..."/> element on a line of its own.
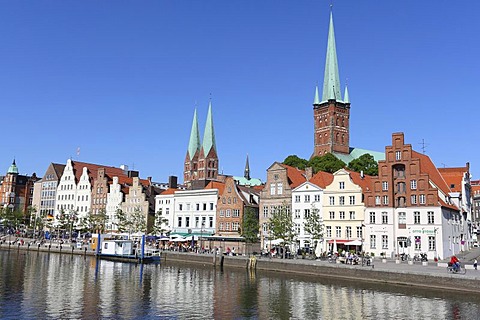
<point x="475" y="264"/>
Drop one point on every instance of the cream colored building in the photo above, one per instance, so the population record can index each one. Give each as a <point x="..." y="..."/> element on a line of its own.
<point x="344" y="210"/>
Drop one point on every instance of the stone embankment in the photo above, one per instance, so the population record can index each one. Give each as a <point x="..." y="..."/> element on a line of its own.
<point x="431" y="275"/>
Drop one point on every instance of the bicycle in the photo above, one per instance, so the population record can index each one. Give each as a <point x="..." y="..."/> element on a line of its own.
<point x="460" y="270"/>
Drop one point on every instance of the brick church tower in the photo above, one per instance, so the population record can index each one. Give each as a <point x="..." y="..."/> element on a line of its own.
<point x="201" y="161"/>
<point x="332" y="113"/>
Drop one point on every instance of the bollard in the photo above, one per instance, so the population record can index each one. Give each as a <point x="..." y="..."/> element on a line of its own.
<point x="28" y="246"/>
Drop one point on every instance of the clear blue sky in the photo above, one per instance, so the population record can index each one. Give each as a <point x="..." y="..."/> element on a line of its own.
<point x="120" y="79"/>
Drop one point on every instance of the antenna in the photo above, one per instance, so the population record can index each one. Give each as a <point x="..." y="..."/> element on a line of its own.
<point x="424" y="146"/>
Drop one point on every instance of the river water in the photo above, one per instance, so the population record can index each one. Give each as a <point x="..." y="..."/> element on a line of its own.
<point x="36" y="285"/>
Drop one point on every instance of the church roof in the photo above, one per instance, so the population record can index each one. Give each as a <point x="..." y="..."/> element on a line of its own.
<point x="209" y="134"/>
<point x="247" y="182"/>
<point x="13" y="168"/>
<point x="194" y="142"/>
<point x="358" y="152"/>
<point x="331" y="80"/>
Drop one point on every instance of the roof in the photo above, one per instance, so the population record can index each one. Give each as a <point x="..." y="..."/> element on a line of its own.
<point x="295" y="176"/>
<point x="216" y="185"/>
<point x="209" y="133"/>
<point x="194" y="142"/>
<point x="247" y="182"/>
<point x="357" y="153"/>
<point x="427" y="166"/>
<point x="322" y="179"/>
<point x="331" y="80"/>
<point x="453" y="177"/>
<point x="13" y="168"/>
<point x="169" y="191"/>
<point x="58" y="168"/>
<point x="365" y="183"/>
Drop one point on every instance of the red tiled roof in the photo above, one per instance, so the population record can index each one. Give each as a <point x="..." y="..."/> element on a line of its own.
<point x="295" y="175"/>
<point x="365" y="183"/>
<point x="93" y="168"/>
<point x="216" y="185"/>
<point x="453" y="177"/>
<point x="169" y="191"/>
<point x="447" y="205"/>
<point x="427" y="166"/>
<point x="322" y="179"/>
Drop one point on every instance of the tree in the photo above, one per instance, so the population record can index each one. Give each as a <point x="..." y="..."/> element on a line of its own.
<point x="295" y="161"/>
<point x="365" y="163"/>
<point x="131" y="222"/>
<point x="160" y="223"/>
<point x="95" y="222"/>
<point x="313" y="224"/>
<point x="327" y="163"/>
<point x="250" y="226"/>
<point x="281" y="225"/>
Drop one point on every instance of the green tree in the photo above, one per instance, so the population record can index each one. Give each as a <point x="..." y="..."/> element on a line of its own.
<point x="295" y="161"/>
<point x="250" y="226"/>
<point x="131" y="222"/>
<point x="95" y="223"/>
<point x="160" y="223"/>
<point x="327" y="163"/>
<point x="314" y="225"/>
<point x="281" y="225"/>
<point x="365" y="163"/>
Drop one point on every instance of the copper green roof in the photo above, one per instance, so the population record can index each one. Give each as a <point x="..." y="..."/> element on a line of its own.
<point x="357" y="152"/>
<point x="194" y="143"/>
<point x="209" y="134"/>
<point x="331" y="80"/>
<point x="346" y="98"/>
<point x="316" y="100"/>
<point x="13" y="168"/>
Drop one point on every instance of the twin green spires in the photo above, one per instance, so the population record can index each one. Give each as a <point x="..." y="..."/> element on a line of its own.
<point x="331" y="80"/>
<point x="208" y="135"/>
<point x="194" y="143"/>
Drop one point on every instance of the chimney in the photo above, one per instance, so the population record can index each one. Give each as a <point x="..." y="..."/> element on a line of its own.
<point x="362" y="175"/>
<point x="124" y="167"/>
<point x="308" y="173"/>
<point x="172" y="182"/>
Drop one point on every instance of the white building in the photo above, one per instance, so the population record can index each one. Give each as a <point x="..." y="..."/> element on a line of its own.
<point x="165" y="206"/>
<point x="114" y="202"/>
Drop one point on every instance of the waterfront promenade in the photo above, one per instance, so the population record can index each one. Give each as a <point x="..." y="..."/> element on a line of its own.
<point x="433" y="275"/>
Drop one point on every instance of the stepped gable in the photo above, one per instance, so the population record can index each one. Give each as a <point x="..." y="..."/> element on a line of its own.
<point x="295" y="176"/>
<point x="453" y="177"/>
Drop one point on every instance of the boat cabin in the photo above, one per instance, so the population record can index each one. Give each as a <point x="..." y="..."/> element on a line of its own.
<point x="117" y="247"/>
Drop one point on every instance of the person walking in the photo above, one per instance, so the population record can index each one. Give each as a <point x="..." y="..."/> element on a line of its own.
<point x="475" y="264"/>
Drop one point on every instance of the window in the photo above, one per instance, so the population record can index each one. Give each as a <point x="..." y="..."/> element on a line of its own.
<point x="398" y="155"/>
<point x="197" y="221"/>
<point x="385" y="185"/>
<point x="342" y="200"/>
<point x="431" y="243"/>
<point x="297" y="198"/>
<point x="385" y="200"/>
<point x="422" y="199"/>
<point x="227" y="213"/>
<point x="211" y="206"/>
<point x="198" y="206"/>
<point x="180" y="207"/>
<point x="222" y="213"/>
<point x="348" y="231"/>
<point x="377" y="200"/>
<point x="272" y="189"/>
<point x="402" y="218"/>
<point x="372" y="217"/>
<point x="317" y="198"/>
<point x="279" y="188"/>
<point x="359" y="233"/>
<point x="265" y="212"/>
<point x="384" y="217"/>
<point x="342" y="214"/>
<point x="331" y="201"/>
<point x="373" y="241"/>
<point x="384" y="242"/>
<point x="235" y="226"/>
<point x="329" y="231"/>
<point x="418" y="243"/>
<point x="342" y="185"/>
<point x="297" y="213"/>
<point x="416" y="217"/>
<point x="236" y="213"/>
<point x="167" y="210"/>
<point x="307" y="198"/>
<point x="352" y="200"/>
<point x="413" y="199"/>
<point x="338" y="232"/>
<point x="204" y="207"/>
<point x="221" y="226"/>
<point x="210" y="222"/>
<point x="306" y="213"/>
<point x="187" y="222"/>
<point x="179" y="222"/>
<point x="413" y="184"/>
<point x="332" y="215"/>
<point x="430" y="217"/>
<point x="352" y="215"/>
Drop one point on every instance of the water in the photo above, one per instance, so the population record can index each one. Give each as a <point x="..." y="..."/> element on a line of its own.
<point x="52" y="286"/>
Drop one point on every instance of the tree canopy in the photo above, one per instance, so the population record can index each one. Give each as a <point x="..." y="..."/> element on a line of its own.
<point x="281" y="225"/>
<point x="295" y="161"/>
<point x="326" y="163"/>
<point x="365" y="163"/>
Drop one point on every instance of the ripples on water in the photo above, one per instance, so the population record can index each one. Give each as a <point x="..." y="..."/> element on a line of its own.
<point x="51" y="286"/>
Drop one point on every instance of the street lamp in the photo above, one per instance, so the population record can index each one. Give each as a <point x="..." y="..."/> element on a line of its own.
<point x="201" y="236"/>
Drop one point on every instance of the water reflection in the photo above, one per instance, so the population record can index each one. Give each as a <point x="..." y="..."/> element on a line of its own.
<point x="42" y="285"/>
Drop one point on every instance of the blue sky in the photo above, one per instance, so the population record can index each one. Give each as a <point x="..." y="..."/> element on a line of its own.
<point x="120" y="79"/>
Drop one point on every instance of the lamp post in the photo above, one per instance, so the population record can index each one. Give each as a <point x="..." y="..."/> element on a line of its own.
<point x="201" y="236"/>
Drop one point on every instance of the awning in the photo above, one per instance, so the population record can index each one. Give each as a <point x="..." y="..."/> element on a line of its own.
<point x="354" y="243"/>
<point x="339" y="241"/>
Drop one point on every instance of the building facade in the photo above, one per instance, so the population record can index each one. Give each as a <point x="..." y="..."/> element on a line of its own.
<point x="16" y="190"/>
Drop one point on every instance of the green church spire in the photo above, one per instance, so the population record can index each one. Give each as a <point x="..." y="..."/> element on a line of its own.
<point x="331" y="80"/>
<point x="316" y="100"/>
<point x="209" y="134"/>
<point x="194" y="143"/>
<point x="13" y="168"/>
<point x="346" y="98"/>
